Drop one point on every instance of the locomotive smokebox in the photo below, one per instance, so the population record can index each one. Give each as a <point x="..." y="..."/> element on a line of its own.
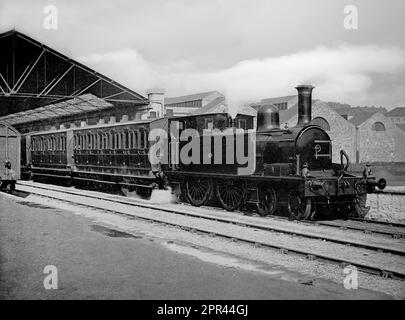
<point x="304" y="104"/>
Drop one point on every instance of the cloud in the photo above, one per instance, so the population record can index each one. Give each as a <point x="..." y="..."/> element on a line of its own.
<point x="343" y="73"/>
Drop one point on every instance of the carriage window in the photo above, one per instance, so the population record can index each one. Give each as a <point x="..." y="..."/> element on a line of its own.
<point x="135" y="139"/>
<point x="126" y="140"/>
<point x="118" y="141"/>
<point x="242" y="124"/>
<point x="98" y="137"/>
<point x="208" y="124"/>
<point x="142" y="140"/>
<point x="122" y="140"/>
<point x="113" y="139"/>
<point x="221" y="123"/>
<point x="129" y="139"/>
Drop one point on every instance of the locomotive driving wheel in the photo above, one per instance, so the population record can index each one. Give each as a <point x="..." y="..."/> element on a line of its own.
<point x="198" y="190"/>
<point x="267" y="204"/>
<point x="299" y="207"/>
<point x="231" y="194"/>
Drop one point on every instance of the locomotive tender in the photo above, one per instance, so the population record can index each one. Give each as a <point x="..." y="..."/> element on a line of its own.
<point x="292" y="168"/>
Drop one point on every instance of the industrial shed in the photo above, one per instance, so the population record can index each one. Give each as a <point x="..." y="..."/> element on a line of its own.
<point x="42" y="88"/>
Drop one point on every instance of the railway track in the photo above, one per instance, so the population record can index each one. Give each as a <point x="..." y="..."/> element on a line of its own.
<point x="368" y="226"/>
<point x="371" y="253"/>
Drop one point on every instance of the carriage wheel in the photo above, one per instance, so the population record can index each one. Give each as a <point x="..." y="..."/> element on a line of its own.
<point x="198" y="191"/>
<point x="298" y="207"/>
<point x="267" y="204"/>
<point x="231" y="194"/>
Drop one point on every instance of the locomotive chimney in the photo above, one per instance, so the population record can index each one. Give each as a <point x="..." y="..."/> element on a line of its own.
<point x="304" y="104"/>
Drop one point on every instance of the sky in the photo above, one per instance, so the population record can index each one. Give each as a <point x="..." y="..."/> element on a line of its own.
<point x="246" y="49"/>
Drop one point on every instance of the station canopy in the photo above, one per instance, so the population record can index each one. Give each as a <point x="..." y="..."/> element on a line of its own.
<point x="84" y="103"/>
<point x="33" y="75"/>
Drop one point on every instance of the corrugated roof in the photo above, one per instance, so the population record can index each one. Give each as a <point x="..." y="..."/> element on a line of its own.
<point x="35" y="75"/>
<point x="397" y="112"/>
<point x="359" y="118"/>
<point x="219" y="105"/>
<point x="190" y="97"/>
<point x="286" y="115"/>
<point x="277" y="99"/>
<point x="80" y="104"/>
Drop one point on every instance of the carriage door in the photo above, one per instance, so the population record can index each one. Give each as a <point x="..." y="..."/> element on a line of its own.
<point x="9" y="148"/>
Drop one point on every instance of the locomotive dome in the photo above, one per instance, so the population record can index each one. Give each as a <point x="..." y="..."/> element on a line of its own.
<point x="268" y="118"/>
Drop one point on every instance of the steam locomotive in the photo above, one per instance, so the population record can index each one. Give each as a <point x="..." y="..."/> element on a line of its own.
<point x="285" y="170"/>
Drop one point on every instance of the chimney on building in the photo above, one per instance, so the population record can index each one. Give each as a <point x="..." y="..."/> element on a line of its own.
<point x="112" y="119"/>
<point x="124" y="118"/>
<point x="156" y="97"/>
<point x="304" y="104"/>
<point x="82" y="124"/>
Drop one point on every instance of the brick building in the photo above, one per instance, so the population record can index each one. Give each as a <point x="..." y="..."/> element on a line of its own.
<point x="378" y="139"/>
<point x="366" y="137"/>
<point x="397" y="116"/>
<point x="341" y="131"/>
